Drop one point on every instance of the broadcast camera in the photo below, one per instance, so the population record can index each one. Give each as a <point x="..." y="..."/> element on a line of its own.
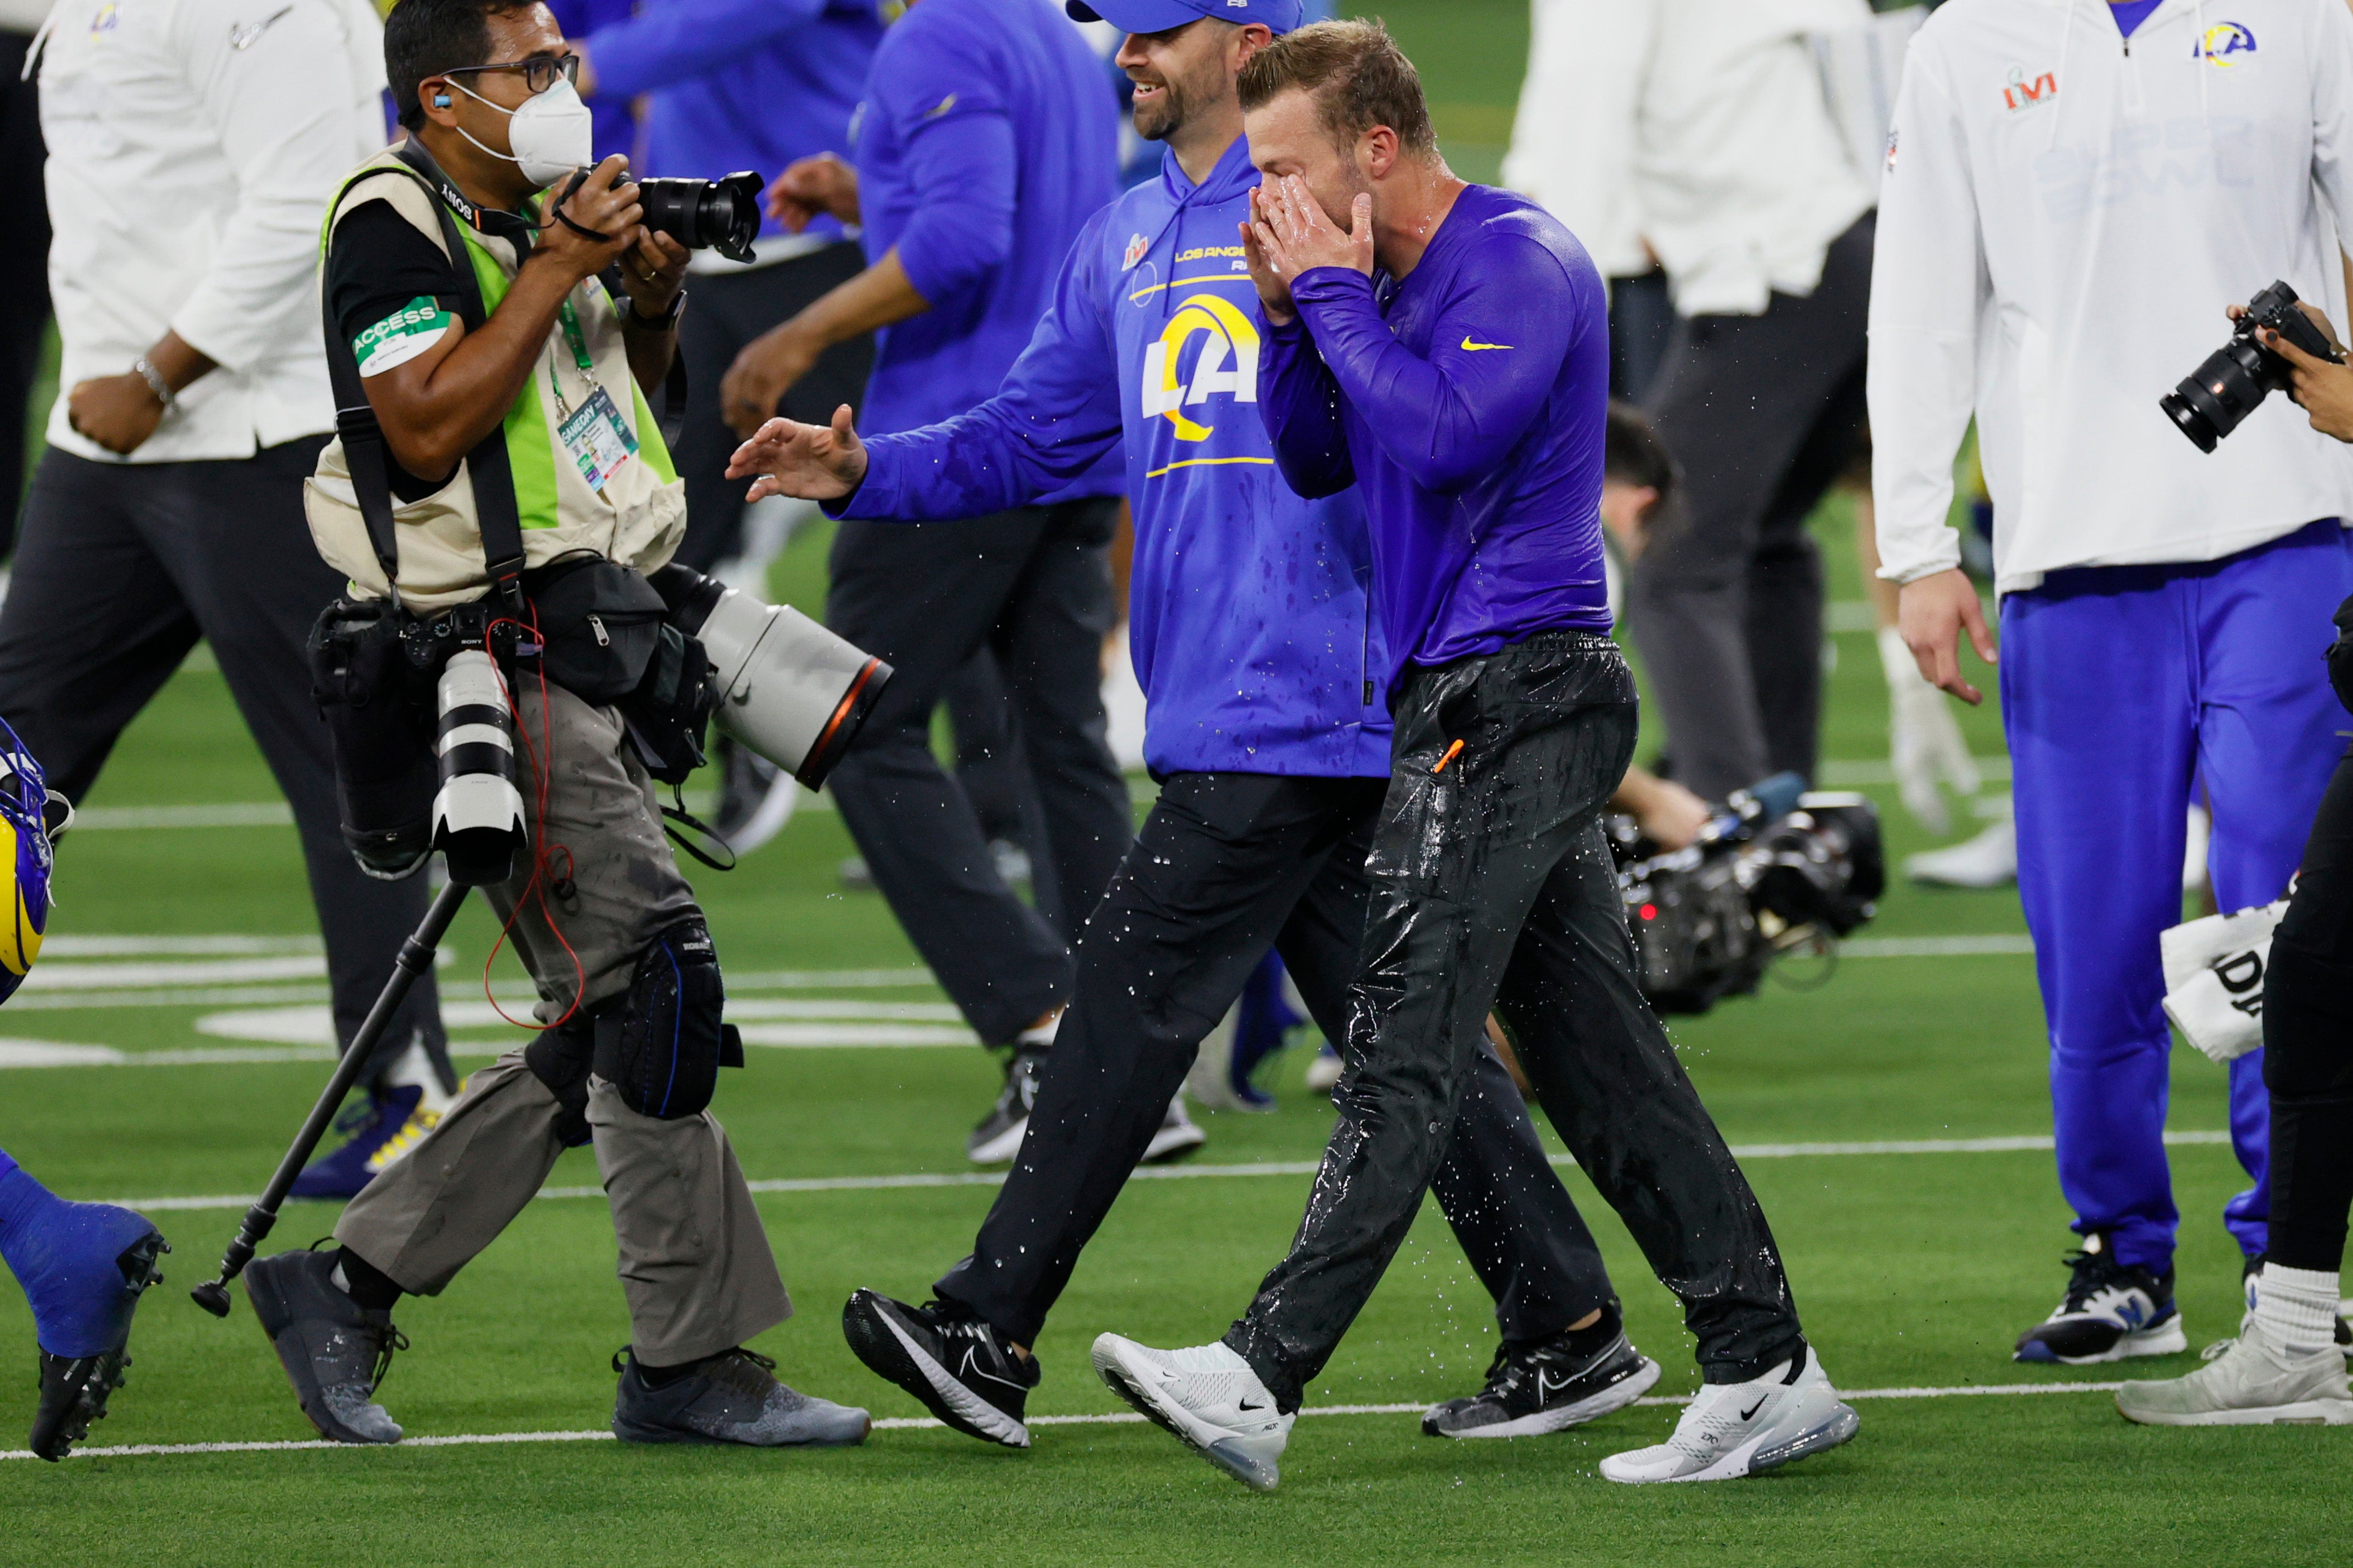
<point x="1777" y="870"/>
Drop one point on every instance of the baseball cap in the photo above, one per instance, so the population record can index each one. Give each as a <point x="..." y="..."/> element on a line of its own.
<point x="1158" y="15"/>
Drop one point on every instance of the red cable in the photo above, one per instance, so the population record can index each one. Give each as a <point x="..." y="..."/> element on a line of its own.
<point x="541" y="761"/>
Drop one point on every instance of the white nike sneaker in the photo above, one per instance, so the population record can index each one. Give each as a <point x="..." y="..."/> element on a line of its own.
<point x="1179" y="1134"/>
<point x="1208" y="1396"/>
<point x="1733" y="1429"/>
<point x="2245" y="1383"/>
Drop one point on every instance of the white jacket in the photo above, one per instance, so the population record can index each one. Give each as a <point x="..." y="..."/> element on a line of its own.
<point x="2063" y="220"/>
<point x="1699" y="125"/>
<point x="192" y="146"/>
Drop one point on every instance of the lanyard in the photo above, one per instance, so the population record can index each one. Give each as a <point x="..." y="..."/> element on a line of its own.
<point x="579" y="341"/>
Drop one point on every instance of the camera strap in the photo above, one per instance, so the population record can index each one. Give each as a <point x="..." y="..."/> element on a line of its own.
<point x="363" y="437"/>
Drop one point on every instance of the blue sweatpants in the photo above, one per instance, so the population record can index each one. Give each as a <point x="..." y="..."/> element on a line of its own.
<point x="2120" y="684"/>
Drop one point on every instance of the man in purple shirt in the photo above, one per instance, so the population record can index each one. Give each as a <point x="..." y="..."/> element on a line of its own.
<point x="1446" y="354"/>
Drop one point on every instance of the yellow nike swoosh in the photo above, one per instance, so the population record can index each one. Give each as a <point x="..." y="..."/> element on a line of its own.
<point x="1467" y="344"/>
<point x="940" y="108"/>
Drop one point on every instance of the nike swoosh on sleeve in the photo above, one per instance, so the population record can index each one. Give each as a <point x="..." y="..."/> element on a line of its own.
<point x="1473" y="347"/>
<point x="941" y="107"/>
<point x="241" y="38"/>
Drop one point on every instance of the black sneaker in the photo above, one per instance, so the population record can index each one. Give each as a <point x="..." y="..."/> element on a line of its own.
<point x="2110" y="1312"/>
<point x="74" y="1389"/>
<point x="952" y="1362"/>
<point x="1545" y="1387"/>
<point x="998" y="1137"/>
<point x="732" y="1397"/>
<point x="335" y="1351"/>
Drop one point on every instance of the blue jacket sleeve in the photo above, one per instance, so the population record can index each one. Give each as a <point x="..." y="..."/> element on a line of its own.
<point x="1057" y="413"/>
<point x="1299" y="403"/>
<point x="681" y="39"/>
<point x="1498" y="345"/>
<point x="960" y="159"/>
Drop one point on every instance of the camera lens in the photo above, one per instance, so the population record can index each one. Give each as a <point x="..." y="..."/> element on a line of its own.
<point x="2210" y="402"/>
<point x="706" y="215"/>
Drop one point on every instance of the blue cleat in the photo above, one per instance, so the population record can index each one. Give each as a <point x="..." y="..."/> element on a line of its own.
<point x="83" y="1268"/>
<point x="376" y="1132"/>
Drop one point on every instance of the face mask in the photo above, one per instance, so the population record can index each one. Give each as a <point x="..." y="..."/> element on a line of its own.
<point x="552" y="133"/>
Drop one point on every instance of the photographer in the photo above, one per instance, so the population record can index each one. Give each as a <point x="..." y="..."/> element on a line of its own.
<point x="192" y="151"/>
<point x="2287" y="1363"/>
<point x="2156" y="601"/>
<point x="550" y="387"/>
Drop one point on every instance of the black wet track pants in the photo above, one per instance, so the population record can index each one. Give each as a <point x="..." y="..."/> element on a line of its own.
<point x="2308" y="1044"/>
<point x="1493" y="889"/>
<point x="1225" y="864"/>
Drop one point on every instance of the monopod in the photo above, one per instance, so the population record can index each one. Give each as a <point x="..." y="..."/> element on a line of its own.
<point x="416" y="958"/>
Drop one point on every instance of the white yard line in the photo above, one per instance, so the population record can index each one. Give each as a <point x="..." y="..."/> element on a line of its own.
<point x="924" y="1423"/>
<point x="1258" y="1168"/>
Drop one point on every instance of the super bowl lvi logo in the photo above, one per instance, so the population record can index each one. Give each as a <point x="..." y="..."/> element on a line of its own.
<point x="1227" y="363"/>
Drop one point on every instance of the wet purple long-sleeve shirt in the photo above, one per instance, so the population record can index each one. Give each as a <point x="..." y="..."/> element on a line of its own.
<point x="1467" y="402"/>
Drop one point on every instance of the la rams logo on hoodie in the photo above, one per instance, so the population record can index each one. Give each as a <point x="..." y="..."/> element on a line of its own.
<point x="2221" y="44"/>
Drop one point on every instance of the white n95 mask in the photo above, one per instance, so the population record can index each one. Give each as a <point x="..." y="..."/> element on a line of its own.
<point x="552" y="133"/>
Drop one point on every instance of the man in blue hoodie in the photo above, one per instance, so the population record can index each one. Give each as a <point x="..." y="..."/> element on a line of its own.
<point x="730" y="85"/>
<point x="982" y="149"/>
<point x="1265" y="721"/>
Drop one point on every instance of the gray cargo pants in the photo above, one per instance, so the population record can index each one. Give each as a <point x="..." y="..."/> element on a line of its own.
<point x="694" y="1261"/>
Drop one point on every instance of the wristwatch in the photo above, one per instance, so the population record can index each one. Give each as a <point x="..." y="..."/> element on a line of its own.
<point x="147" y="372"/>
<point x="665" y="323"/>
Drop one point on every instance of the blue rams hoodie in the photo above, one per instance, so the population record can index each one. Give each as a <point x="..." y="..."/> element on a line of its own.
<point x="1249" y="617"/>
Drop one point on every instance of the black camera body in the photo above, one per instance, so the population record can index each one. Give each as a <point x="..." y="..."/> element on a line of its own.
<point x="721" y="215"/>
<point x="1775" y="872"/>
<point x="2236" y="378"/>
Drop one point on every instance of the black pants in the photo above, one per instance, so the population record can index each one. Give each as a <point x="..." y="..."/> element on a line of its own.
<point x="1034" y="587"/>
<point x="1493" y="890"/>
<point x="1763" y="413"/>
<point x="2308" y="1044"/>
<point x="725" y="312"/>
<point x="1225" y="864"/>
<point x="120" y="570"/>
<point x="23" y="273"/>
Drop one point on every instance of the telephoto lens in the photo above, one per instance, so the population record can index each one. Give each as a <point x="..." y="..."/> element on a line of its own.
<point x="2213" y="400"/>
<point x="788" y="689"/>
<point x="478" y="822"/>
<point x="706" y="215"/>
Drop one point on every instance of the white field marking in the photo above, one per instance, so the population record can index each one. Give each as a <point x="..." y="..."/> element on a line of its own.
<point x="1936" y="946"/>
<point x="61" y="1054"/>
<point x="201" y="972"/>
<point x="223" y="996"/>
<point x="842" y="1022"/>
<point x="65" y="945"/>
<point x="1258" y="1168"/>
<point x="240" y="813"/>
<point x="925" y="1423"/>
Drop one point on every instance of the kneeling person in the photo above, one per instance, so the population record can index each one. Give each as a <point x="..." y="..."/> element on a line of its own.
<point x="547" y="386"/>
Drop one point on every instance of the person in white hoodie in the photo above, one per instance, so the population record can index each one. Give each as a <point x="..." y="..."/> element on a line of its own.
<point x="1695" y="134"/>
<point x="2075" y="190"/>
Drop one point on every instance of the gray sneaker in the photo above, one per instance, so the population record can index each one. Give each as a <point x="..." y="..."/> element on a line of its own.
<point x="734" y="1397"/>
<point x="2245" y="1383"/>
<point x="335" y="1351"/>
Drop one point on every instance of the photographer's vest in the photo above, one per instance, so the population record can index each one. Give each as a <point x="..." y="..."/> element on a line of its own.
<point x="580" y="481"/>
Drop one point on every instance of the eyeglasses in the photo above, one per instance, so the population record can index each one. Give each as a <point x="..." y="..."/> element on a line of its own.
<point x="539" y="72"/>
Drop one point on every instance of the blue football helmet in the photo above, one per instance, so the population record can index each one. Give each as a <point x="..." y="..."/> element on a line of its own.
<point x="31" y="815"/>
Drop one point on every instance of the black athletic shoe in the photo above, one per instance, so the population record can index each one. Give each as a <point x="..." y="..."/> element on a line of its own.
<point x="732" y="1397"/>
<point x="335" y="1351"/>
<point x="998" y="1137"/>
<point x="952" y="1362"/>
<point x="2110" y="1312"/>
<point x="1545" y="1387"/>
<point x="74" y="1389"/>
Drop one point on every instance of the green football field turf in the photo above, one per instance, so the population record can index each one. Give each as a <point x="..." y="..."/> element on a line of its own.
<point x="1914" y="1270"/>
